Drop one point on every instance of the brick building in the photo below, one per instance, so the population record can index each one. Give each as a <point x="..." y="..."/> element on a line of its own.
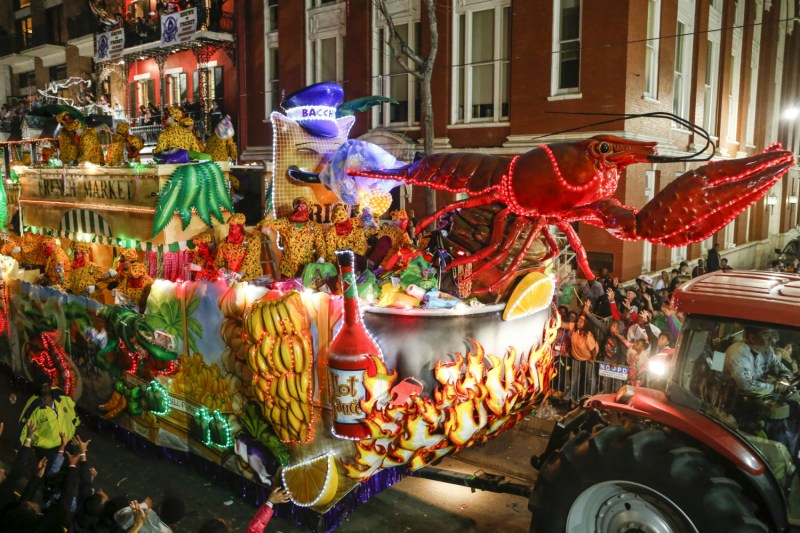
<point x="44" y="41"/>
<point x="506" y="68"/>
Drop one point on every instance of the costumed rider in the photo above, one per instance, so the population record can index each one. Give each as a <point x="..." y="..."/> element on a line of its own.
<point x="220" y="145"/>
<point x="238" y="252"/>
<point x="122" y="143"/>
<point x="345" y="233"/>
<point x="57" y="267"/>
<point x="176" y="136"/>
<point x="90" y="149"/>
<point x="299" y="235"/>
<point x="124" y="260"/>
<point x="204" y="257"/>
<point x="188" y="124"/>
<point x="68" y="138"/>
<point x="136" y="285"/>
<point x="392" y="237"/>
<point x="87" y="278"/>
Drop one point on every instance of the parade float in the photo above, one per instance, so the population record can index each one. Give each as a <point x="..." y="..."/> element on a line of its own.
<point x="363" y="352"/>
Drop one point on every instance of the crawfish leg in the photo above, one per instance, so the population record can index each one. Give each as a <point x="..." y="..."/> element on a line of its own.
<point x="512" y="268"/>
<point x="508" y="243"/>
<point x="551" y="243"/>
<point x="497" y="237"/>
<point x="483" y="199"/>
<point x="580" y="251"/>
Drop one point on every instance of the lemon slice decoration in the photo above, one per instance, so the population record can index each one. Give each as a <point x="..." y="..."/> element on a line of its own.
<point x="534" y="293"/>
<point x="312" y="482"/>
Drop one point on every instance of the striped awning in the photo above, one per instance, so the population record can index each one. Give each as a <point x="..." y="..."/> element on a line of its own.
<point x="176" y="246"/>
<point x="84" y="221"/>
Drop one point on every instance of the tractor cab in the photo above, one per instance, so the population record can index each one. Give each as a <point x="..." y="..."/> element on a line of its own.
<point x="715" y="362"/>
<point x="718" y="450"/>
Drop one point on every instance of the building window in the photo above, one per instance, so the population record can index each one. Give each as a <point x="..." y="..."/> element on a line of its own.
<point x="21" y="4"/>
<point x="711" y="87"/>
<point x="146" y="92"/>
<point x="215" y="87"/>
<point x="393" y="81"/>
<point x="273" y="83"/>
<point x="272" y="95"/>
<point x="649" y="193"/>
<point x="272" y="15"/>
<point x="566" y="46"/>
<point x="651" y="48"/>
<point x="54" y="16"/>
<point x="679" y="100"/>
<point x="754" y="60"/>
<point x="683" y="59"/>
<point x="735" y="74"/>
<point x="176" y="88"/>
<point x="482" y="64"/>
<point x="58" y="73"/>
<point x="326" y="23"/>
<point x="26" y="79"/>
<point x="24" y="33"/>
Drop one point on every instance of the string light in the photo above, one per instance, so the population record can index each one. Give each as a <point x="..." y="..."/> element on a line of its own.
<point x="154" y="389"/>
<point x="53" y="360"/>
<point x="330" y="477"/>
<point x="99" y="207"/>
<point x="206" y="418"/>
<point x="4" y="311"/>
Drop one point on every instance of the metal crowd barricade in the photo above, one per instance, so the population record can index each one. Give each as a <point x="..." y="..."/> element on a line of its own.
<point x="576" y="380"/>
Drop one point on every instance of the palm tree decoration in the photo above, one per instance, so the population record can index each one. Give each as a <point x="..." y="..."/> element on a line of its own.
<point x="165" y="313"/>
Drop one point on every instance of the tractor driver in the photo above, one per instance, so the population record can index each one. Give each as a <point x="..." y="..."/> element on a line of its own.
<point x="754" y="366"/>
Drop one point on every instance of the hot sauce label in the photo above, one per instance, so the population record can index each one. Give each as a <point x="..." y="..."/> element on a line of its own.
<point x="347" y="391"/>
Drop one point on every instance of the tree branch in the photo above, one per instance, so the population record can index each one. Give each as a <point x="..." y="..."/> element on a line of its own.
<point x="397" y="42"/>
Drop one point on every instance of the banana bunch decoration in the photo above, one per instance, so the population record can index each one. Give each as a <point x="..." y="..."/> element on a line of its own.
<point x="199" y="187"/>
<point x="281" y="355"/>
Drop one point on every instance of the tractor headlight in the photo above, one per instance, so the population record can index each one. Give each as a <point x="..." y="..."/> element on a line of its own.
<point x="658" y="367"/>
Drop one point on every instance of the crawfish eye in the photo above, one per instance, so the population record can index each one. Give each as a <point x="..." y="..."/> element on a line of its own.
<point x="604" y="148"/>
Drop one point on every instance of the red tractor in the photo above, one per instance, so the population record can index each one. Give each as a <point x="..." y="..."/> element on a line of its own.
<point x="708" y="454"/>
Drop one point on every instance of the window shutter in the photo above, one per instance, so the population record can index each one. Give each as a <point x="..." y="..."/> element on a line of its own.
<point x="219" y="85"/>
<point x="182" y="85"/>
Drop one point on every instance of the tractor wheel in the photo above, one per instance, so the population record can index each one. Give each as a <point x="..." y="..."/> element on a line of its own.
<point x="630" y="478"/>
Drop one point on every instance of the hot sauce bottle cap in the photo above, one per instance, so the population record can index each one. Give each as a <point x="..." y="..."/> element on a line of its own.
<point x="344" y="258"/>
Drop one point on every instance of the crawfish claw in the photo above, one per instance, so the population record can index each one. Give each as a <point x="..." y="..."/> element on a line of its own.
<point x="698" y="203"/>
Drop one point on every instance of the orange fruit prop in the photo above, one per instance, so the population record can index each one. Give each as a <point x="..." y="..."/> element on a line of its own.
<point x="534" y="293"/>
<point x="312" y="482"/>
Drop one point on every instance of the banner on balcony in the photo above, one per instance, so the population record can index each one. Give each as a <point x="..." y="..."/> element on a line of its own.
<point x="109" y="45"/>
<point x="178" y="27"/>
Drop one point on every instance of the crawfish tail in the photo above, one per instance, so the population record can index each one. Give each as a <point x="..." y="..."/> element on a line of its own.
<point x="458" y="172"/>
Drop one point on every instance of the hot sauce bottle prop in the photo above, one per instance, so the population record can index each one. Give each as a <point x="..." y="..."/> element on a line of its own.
<point x="349" y="359"/>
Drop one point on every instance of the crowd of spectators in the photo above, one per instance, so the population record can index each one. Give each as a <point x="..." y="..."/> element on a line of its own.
<point x="603" y="321"/>
<point x="144" y="27"/>
<point x="778" y="265"/>
<point x="50" y="484"/>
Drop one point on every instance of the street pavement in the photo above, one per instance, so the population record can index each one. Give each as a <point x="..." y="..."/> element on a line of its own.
<point x="411" y="505"/>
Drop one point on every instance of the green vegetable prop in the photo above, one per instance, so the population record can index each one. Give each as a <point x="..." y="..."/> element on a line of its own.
<point x="261" y="431"/>
<point x="157" y="399"/>
<point x="315" y="275"/>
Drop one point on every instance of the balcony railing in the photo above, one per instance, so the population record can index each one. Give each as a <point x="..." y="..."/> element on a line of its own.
<point x="143" y="31"/>
<point x="148" y="133"/>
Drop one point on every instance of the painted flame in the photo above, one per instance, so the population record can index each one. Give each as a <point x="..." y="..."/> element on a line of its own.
<point x="473" y="402"/>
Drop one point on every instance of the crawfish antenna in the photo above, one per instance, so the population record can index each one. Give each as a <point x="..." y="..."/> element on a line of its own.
<point x="701" y="155"/>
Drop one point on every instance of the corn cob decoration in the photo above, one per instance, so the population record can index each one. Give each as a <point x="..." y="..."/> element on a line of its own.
<point x="280" y="353"/>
